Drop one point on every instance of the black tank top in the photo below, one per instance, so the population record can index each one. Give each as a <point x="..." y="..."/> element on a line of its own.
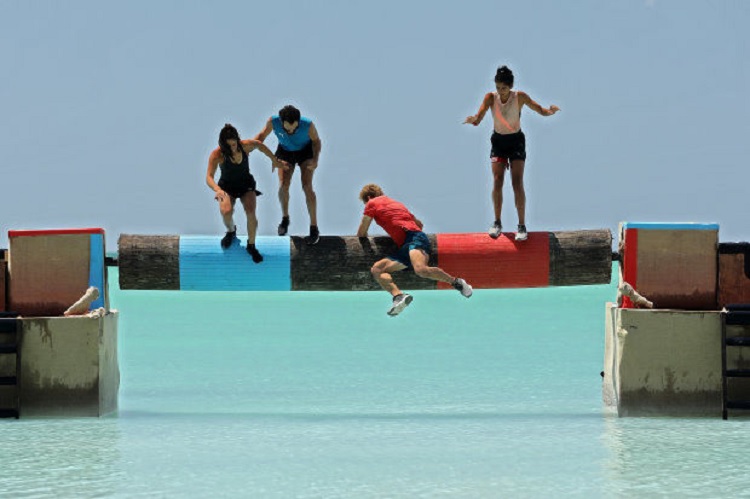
<point x="232" y="173"/>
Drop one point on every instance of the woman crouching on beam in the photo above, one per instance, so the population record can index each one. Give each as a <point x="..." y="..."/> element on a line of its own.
<point x="236" y="182"/>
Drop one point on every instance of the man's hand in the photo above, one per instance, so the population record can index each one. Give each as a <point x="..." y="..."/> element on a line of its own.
<point x="312" y="165"/>
<point x="471" y="120"/>
<point x="280" y="164"/>
<point x="221" y="196"/>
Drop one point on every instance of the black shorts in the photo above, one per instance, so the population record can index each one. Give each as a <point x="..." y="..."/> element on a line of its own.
<point x="511" y="146"/>
<point x="240" y="188"/>
<point x="295" y="157"/>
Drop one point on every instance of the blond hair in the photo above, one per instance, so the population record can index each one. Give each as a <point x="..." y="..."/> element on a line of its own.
<point x="370" y="191"/>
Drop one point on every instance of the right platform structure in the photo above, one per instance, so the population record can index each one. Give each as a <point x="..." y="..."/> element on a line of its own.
<point x="665" y="348"/>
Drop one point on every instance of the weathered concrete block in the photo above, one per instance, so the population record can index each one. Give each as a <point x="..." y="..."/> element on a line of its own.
<point x="69" y="366"/>
<point x="662" y="362"/>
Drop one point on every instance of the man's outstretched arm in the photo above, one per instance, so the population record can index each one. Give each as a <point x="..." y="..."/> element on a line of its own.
<point x="364" y="226"/>
<point x="265" y="132"/>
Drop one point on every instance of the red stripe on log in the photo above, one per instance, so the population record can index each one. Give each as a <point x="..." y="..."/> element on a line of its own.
<point x="630" y="263"/>
<point x="495" y="263"/>
<point x="49" y="232"/>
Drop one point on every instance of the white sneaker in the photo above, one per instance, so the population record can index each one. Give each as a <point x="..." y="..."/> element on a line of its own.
<point x="463" y="287"/>
<point x="495" y="230"/>
<point x="400" y="302"/>
<point x="522" y="235"/>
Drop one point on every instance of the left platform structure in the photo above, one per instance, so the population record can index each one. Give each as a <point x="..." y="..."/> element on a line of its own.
<point x="63" y="366"/>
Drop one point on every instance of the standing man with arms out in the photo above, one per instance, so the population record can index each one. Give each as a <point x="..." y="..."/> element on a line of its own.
<point x="236" y="182"/>
<point x="413" y="246"/>
<point x="299" y="144"/>
<point x="508" y="144"/>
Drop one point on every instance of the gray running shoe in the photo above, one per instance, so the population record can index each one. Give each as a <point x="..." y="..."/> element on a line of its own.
<point x="463" y="287"/>
<point x="400" y="302"/>
<point x="495" y="230"/>
<point x="521" y="235"/>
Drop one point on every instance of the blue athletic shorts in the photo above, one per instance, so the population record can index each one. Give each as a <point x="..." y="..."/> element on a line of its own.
<point x="414" y="240"/>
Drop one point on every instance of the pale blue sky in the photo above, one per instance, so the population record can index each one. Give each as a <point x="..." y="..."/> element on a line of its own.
<point x="108" y="110"/>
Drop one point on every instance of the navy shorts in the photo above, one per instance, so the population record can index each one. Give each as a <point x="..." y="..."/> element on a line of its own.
<point x="511" y="146"/>
<point x="295" y="157"/>
<point x="414" y="240"/>
<point x="238" y="189"/>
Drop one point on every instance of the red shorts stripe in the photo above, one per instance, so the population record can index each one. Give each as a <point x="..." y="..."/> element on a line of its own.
<point x="495" y="263"/>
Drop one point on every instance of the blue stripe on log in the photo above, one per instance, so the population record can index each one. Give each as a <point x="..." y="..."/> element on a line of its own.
<point x="669" y="226"/>
<point x="96" y="268"/>
<point x="205" y="266"/>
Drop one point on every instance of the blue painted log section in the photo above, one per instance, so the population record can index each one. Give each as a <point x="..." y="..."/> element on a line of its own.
<point x="205" y="266"/>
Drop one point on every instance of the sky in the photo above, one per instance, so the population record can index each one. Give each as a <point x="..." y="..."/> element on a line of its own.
<point x="109" y="110"/>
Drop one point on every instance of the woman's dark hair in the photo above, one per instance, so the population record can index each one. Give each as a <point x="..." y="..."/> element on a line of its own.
<point x="504" y="75"/>
<point x="290" y="114"/>
<point x="227" y="133"/>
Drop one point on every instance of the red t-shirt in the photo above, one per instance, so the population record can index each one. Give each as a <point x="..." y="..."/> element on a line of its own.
<point x="392" y="216"/>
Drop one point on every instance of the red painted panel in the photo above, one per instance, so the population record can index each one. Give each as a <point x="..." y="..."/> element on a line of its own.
<point x="630" y="263"/>
<point x="49" y="232"/>
<point x="495" y="263"/>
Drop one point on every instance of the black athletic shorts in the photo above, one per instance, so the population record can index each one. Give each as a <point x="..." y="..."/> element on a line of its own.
<point x="238" y="189"/>
<point x="511" y="146"/>
<point x="295" y="157"/>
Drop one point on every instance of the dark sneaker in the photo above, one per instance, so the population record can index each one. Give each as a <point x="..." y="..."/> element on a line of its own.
<point x="400" y="302"/>
<point x="462" y="287"/>
<point x="230" y="236"/>
<point x="284" y="226"/>
<point x="257" y="257"/>
<point x="495" y="230"/>
<point x="521" y="235"/>
<point x="314" y="236"/>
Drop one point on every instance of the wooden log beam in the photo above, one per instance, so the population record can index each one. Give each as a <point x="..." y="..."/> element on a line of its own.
<point x="342" y="263"/>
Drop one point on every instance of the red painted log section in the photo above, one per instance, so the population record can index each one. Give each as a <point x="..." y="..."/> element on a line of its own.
<point x="496" y="263"/>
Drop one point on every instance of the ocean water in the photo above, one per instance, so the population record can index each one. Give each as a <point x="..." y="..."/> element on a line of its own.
<point x="321" y="395"/>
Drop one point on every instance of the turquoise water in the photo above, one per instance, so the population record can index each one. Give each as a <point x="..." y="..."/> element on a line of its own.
<point x="322" y="395"/>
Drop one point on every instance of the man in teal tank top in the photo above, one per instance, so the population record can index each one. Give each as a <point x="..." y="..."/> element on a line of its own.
<point x="299" y="144"/>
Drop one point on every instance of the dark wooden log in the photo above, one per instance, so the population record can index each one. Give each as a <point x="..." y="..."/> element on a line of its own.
<point x="343" y="263"/>
<point x="149" y="262"/>
<point x="580" y="257"/>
